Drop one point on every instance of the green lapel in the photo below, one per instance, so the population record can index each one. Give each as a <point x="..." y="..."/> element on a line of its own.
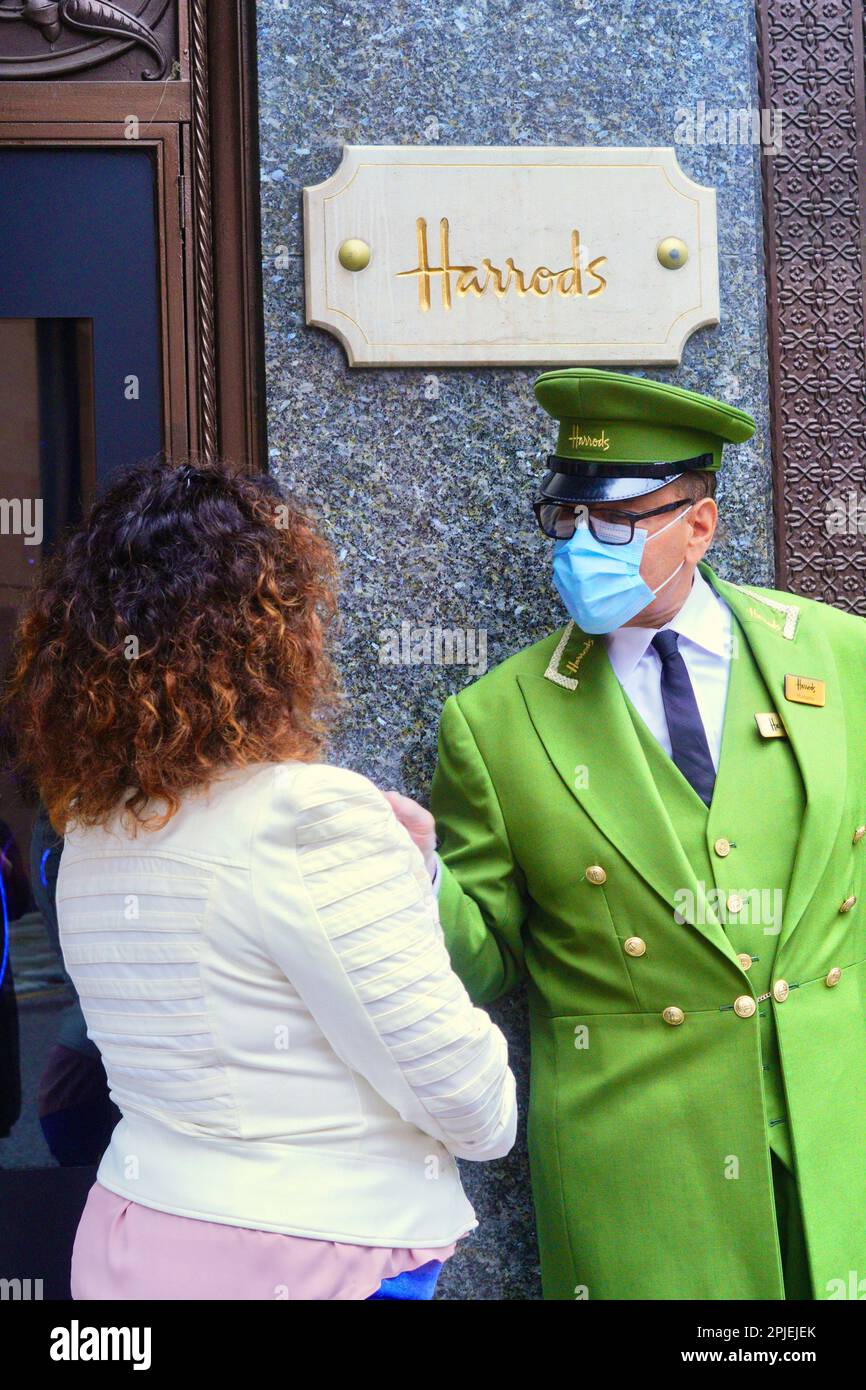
<point x="579" y="712"/>
<point x="783" y="645"/>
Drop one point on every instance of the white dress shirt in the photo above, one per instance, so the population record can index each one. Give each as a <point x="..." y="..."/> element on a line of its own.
<point x="704" y="625"/>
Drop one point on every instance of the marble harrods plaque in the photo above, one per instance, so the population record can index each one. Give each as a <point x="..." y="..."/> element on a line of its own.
<point x="463" y="255"/>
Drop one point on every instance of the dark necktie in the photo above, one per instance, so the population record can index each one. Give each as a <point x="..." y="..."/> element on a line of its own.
<point x="689" y="748"/>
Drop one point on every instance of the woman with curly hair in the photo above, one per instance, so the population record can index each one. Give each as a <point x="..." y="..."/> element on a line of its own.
<point x="252" y="934"/>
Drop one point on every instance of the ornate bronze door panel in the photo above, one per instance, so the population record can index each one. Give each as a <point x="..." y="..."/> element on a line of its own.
<point x="811" y="70"/>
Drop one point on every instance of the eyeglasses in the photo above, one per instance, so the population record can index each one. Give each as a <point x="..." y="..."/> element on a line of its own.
<point x="559" y="520"/>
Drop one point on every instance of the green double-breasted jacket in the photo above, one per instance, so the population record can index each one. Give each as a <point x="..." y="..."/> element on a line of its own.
<point x="648" y="1138"/>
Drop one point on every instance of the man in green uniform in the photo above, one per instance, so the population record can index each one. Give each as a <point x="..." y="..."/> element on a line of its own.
<point x="656" y="816"/>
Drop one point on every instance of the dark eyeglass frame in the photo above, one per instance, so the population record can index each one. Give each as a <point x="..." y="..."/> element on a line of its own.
<point x="619" y="518"/>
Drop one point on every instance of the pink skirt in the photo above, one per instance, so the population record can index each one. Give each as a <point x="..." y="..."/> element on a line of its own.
<point x="128" y="1251"/>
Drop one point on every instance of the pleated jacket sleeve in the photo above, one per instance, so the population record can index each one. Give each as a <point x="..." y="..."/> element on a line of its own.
<point x="349" y="915"/>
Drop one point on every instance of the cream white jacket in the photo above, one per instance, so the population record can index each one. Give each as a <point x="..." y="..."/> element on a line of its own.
<point x="268" y="984"/>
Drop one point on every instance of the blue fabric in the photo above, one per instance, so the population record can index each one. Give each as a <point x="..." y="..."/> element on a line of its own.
<point x="412" y="1283"/>
<point x="599" y="580"/>
<point x="689" y="748"/>
<point x="600" y="583"/>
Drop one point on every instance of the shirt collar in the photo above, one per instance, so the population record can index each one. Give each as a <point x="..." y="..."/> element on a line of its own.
<point x="702" y="619"/>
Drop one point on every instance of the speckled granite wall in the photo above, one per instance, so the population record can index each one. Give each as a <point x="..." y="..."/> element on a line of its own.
<point x="423" y="480"/>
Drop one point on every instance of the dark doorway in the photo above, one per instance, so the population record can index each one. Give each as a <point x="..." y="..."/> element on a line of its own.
<point x="78" y="241"/>
<point x="81" y="398"/>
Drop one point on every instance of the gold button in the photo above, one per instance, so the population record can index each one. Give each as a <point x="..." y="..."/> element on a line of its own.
<point x="634" y="946"/>
<point x="673" y="1015"/>
<point x="781" y="990"/>
<point x="745" y="960"/>
<point x="735" y="902"/>
<point x="722" y="846"/>
<point x="596" y="874"/>
<point x="745" y="1006"/>
<point x="847" y="904"/>
<point x="833" y="977"/>
<point x="858" y="834"/>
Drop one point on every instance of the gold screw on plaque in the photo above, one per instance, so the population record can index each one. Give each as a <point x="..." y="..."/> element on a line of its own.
<point x="354" y="254"/>
<point x="672" y="253"/>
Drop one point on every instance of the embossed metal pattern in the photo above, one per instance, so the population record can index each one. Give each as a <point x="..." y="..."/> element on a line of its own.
<point x="52" y="38"/>
<point x="811" y="69"/>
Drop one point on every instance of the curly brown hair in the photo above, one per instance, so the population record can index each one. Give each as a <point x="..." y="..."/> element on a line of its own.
<point x="178" y="632"/>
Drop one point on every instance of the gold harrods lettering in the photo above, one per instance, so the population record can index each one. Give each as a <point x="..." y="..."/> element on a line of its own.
<point x="753" y="613"/>
<point x="568" y="281"/>
<point x="574" y="664"/>
<point x="585" y="441"/>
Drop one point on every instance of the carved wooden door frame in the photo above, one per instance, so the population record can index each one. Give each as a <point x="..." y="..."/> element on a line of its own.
<point x="203" y="125"/>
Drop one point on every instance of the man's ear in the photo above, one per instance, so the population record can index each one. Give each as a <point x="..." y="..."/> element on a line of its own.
<point x="704" y="517"/>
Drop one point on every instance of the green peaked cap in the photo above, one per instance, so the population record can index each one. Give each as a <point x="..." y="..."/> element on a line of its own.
<point x="613" y="417"/>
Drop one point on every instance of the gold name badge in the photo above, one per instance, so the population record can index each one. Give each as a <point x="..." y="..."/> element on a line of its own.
<point x="770" y="726"/>
<point x="804" y="690"/>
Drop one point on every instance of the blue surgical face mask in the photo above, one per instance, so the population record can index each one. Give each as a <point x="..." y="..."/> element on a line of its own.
<point x="601" y="585"/>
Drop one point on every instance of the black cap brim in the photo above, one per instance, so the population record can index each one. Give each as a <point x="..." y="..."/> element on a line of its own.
<point x="565" y="487"/>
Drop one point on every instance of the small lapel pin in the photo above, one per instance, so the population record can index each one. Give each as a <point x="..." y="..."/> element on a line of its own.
<point x="770" y="725"/>
<point x="804" y="690"/>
